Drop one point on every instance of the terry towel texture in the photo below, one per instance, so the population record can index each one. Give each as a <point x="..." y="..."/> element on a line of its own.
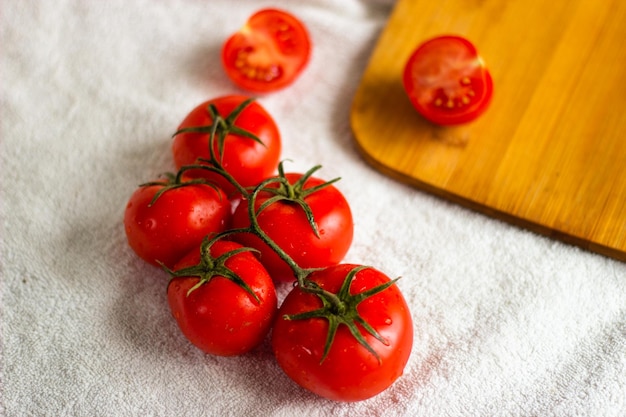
<point x="507" y="323"/>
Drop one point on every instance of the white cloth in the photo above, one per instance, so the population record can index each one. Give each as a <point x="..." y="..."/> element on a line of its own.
<point x="507" y="323"/>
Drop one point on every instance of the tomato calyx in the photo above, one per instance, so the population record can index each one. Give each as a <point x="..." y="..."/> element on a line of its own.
<point x="210" y="267"/>
<point x="218" y="130"/>
<point x="223" y="126"/>
<point x="283" y="190"/>
<point x="341" y="308"/>
<point x="173" y="181"/>
<point x="294" y="193"/>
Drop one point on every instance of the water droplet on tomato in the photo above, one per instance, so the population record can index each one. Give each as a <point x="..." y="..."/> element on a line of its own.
<point x="388" y="321"/>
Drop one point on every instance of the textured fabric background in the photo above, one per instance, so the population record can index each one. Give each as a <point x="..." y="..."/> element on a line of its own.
<point x="507" y="323"/>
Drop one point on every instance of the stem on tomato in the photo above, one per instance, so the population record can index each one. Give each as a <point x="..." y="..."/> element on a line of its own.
<point x="336" y="304"/>
<point x="210" y="267"/>
<point x="255" y="228"/>
<point x="219" y="129"/>
<point x="217" y="163"/>
<point x="301" y="274"/>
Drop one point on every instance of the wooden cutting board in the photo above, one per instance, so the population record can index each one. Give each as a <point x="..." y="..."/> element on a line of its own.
<point x="550" y="152"/>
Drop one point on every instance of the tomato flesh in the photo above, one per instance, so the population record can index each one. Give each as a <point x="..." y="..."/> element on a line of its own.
<point x="447" y="81"/>
<point x="268" y="53"/>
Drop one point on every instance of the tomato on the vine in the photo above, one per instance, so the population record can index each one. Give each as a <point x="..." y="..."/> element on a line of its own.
<point x="285" y="221"/>
<point x="351" y="349"/>
<point x="163" y="220"/>
<point x="268" y="52"/>
<point x="239" y="123"/>
<point x="222" y="298"/>
<point x="447" y="81"/>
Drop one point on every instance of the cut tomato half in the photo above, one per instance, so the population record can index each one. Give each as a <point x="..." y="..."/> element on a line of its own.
<point x="447" y="81"/>
<point x="268" y="53"/>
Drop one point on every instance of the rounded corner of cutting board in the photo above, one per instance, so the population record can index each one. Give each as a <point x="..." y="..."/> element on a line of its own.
<point x="363" y="145"/>
<point x="371" y="152"/>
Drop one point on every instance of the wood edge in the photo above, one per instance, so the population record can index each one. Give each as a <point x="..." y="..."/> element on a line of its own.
<point x="508" y="218"/>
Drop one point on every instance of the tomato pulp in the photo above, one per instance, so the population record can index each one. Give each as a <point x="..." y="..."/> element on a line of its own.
<point x="268" y="53"/>
<point x="447" y="81"/>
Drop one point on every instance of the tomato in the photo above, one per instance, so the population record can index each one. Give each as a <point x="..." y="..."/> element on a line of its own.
<point x="447" y="81"/>
<point x="268" y="53"/>
<point x="215" y="313"/>
<point x="349" y="371"/>
<point x="286" y="223"/>
<point x="166" y="229"/>
<point x="247" y="160"/>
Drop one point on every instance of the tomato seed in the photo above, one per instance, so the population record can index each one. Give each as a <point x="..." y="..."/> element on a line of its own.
<point x="283" y="36"/>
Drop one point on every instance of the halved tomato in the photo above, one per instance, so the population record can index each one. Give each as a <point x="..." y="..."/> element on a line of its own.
<point x="268" y="52"/>
<point x="447" y="81"/>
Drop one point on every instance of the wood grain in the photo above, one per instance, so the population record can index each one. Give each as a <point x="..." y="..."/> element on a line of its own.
<point x="550" y="152"/>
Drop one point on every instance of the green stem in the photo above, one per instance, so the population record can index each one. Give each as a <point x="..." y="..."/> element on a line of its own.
<point x="337" y="305"/>
<point x="217" y="163"/>
<point x="255" y="228"/>
<point x="219" y="129"/>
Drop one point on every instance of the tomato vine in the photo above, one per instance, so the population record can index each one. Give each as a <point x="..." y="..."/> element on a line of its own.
<point x="337" y="308"/>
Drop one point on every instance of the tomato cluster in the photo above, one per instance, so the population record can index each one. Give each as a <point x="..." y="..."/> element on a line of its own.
<point x="230" y="225"/>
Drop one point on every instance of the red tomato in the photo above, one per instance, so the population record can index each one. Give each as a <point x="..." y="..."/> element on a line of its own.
<point x="268" y="53"/>
<point x="349" y="372"/>
<point x="447" y="81"/>
<point x="176" y="222"/>
<point x="286" y="223"/>
<point x="219" y="316"/>
<point x="248" y="161"/>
